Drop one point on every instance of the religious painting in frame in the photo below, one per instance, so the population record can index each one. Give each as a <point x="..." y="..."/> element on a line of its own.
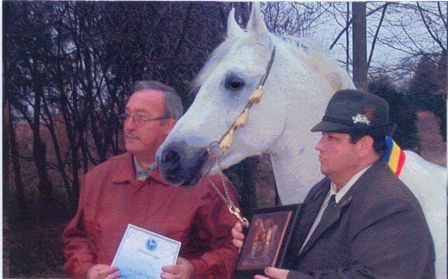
<point x="266" y="240"/>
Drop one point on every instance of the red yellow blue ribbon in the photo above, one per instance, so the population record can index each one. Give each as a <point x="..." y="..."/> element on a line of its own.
<point x="395" y="157"/>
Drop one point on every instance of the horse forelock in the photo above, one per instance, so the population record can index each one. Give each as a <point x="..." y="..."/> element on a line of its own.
<point x="224" y="50"/>
<point x="216" y="56"/>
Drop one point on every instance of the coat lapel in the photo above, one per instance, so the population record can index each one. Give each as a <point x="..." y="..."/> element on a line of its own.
<point x="335" y="215"/>
<point x="328" y="221"/>
<point x="310" y="210"/>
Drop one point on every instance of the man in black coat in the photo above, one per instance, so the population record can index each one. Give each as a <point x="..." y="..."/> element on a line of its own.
<point x="360" y="221"/>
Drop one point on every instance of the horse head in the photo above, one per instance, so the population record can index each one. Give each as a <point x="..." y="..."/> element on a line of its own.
<point x="225" y="83"/>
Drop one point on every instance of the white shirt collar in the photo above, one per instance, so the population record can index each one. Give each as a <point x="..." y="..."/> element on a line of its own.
<point x="140" y="172"/>
<point x="339" y="195"/>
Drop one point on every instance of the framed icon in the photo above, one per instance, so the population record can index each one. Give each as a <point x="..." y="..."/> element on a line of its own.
<point x="267" y="239"/>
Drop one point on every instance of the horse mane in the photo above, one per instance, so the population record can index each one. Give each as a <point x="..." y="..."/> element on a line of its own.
<point x="320" y="61"/>
<point x="322" y="64"/>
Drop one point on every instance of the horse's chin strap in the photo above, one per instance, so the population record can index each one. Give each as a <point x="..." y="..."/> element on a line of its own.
<point x="217" y="149"/>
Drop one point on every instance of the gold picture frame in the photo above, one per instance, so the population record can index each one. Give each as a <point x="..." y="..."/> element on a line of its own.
<point x="267" y="240"/>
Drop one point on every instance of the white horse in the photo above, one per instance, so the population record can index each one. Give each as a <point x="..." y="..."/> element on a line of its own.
<point x="296" y="93"/>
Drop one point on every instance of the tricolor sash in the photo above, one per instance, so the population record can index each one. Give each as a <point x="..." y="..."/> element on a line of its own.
<point x="395" y="157"/>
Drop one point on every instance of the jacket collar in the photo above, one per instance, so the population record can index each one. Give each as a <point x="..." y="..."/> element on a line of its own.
<point x="335" y="214"/>
<point x="321" y="191"/>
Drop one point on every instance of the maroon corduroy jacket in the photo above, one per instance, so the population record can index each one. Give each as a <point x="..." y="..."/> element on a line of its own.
<point x="111" y="198"/>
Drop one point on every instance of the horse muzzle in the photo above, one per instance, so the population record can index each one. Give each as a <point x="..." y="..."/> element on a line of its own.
<point x="180" y="164"/>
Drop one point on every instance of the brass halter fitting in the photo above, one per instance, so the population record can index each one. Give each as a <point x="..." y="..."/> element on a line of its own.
<point x="217" y="149"/>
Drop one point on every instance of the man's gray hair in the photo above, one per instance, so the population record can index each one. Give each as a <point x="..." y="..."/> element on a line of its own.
<point x="173" y="104"/>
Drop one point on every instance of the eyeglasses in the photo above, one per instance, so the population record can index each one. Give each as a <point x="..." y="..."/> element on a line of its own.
<point x="139" y="118"/>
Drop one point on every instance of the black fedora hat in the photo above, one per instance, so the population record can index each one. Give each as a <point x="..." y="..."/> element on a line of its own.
<point x="356" y="111"/>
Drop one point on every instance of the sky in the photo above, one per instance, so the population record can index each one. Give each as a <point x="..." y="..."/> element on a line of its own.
<point x="402" y="35"/>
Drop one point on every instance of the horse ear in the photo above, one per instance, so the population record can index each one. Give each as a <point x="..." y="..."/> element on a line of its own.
<point x="256" y="23"/>
<point x="233" y="29"/>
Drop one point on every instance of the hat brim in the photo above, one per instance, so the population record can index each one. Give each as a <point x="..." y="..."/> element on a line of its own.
<point x="326" y="126"/>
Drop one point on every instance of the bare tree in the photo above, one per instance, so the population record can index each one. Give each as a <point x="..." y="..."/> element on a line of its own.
<point x="411" y="30"/>
<point x="73" y="62"/>
<point x="26" y="91"/>
<point x="293" y="18"/>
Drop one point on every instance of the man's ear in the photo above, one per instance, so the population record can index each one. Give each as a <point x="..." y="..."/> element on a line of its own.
<point x="365" y="145"/>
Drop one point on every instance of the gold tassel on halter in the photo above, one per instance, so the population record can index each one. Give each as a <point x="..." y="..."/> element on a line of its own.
<point x="226" y="142"/>
<point x="256" y="96"/>
<point x="243" y="119"/>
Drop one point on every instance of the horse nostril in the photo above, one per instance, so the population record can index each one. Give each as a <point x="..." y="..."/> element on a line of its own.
<point x="170" y="156"/>
<point x="181" y="164"/>
<point x="171" y="160"/>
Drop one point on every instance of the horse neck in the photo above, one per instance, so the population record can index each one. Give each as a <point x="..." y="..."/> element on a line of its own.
<point x="294" y="158"/>
<point x="295" y="165"/>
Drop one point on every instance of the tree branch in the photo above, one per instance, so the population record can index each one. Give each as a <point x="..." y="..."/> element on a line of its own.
<point x="376" y="35"/>
<point x="350" y="22"/>
<point x="429" y="29"/>
<point x="441" y="15"/>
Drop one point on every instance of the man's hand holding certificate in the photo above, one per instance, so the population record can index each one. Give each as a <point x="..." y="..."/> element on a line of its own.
<point x="143" y="253"/>
<point x="182" y="269"/>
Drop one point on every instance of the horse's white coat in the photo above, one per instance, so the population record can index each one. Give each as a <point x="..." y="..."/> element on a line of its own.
<point x="295" y="96"/>
<point x="428" y="182"/>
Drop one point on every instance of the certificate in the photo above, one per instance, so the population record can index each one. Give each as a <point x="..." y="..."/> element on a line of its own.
<point x="142" y="253"/>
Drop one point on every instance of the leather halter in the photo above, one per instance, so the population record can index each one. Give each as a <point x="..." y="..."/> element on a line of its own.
<point x="217" y="148"/>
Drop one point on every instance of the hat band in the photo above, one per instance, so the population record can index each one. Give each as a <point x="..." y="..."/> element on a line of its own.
<point x="339" y="121"/>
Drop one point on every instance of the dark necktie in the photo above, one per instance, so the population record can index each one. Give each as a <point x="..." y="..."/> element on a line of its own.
<point x="330" y="207"/>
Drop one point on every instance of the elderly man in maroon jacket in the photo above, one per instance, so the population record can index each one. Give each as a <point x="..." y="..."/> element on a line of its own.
<point x="128" y="189"/>
<point x="360" y="221"/>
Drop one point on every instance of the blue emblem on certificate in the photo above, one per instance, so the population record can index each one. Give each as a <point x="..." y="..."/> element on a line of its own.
<point x="151" y="244"/>
<point x="142" y="253"/>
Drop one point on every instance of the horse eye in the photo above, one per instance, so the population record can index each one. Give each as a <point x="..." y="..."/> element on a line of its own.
<point x="233" y="82"/>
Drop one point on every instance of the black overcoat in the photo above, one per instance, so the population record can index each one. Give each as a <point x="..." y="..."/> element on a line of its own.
<point x="377" y="230"/>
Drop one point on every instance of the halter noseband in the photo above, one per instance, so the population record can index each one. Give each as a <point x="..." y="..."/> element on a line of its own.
<point x="217" y="149"/>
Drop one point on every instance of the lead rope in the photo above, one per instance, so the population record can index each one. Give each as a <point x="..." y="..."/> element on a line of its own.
<point x="233" y="209"/>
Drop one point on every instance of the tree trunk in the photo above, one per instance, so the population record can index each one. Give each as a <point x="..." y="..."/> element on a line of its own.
<point x="347" y="40"/>
<point x="45" y="187"/>
<point x="75" y="164"/>
<point x="71" y="131"/>
<point x="57" y="149"/>
<point x="6" y="147"/>
<point x="20" y="187"/>
<point x="359" y="45"/>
